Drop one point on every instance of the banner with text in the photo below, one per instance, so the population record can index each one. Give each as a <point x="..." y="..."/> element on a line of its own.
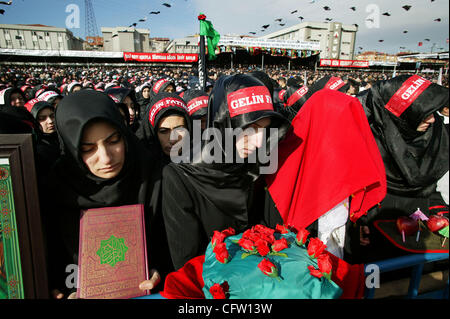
<point x="268" y="43"/>
<point x="161" y="57"/>
<point x="344" y="63"/>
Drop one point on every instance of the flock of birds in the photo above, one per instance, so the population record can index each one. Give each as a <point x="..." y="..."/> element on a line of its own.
<point x="353" y="8"/>
<point x="266" y="26"/>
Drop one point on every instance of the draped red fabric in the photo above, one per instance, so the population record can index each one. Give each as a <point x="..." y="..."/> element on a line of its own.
<point x="187" y="282"/>
<point x="351" y="278"/>
<point x="330" y="155"/>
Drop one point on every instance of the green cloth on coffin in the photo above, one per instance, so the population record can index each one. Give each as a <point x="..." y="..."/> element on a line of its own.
<point x="246" y="280"/>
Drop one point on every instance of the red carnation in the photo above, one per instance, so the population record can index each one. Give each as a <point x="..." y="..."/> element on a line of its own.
<point x="218" y="238"/>
<point x="221" y="252"/>
<point x="315" y="247"/>
<point x="281" y="229"/>
<point x="219" y="291"/>
<point x="263" y="229"/>
<point x="251" y="235"/>
<point x="267" y="237"/>
<point x="325" y="265"/>
<point x="280" y="244"/>
<point x="247" y="244"/>
<point x="302" y="235"/>
<point x="262" y="247"/>
<point x="314" y="272"/>
<point x="268" y="268"/>
<point x="229" y="232"/>
<point x="202" y="17"/>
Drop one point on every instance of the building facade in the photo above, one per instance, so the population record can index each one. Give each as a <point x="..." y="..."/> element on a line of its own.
<point x="159" y="45"/>
<point x="38" y="37"/>
<point x="337" y="41"/>
<point x="124" y="39"/>
<point x="184" y="45"/>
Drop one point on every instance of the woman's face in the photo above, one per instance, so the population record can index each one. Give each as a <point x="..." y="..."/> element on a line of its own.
<point x="102" y="149"/>
<point x="76" y="88"/>
<point x="129" y="103"/>
<point x="17" y="100"/>
<point x="46" y="118"/>
<point x="425" y="124"/>
<point x="252" y="137"/>
<point x="170" y="89"/>
<point x="171" y="129"/>
<point x="146" y="93"/>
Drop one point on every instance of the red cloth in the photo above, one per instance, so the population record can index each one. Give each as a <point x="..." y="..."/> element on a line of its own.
<point x="350" y="278"/>
<point x="329" y="156"/>
<point x="187" y="282"/>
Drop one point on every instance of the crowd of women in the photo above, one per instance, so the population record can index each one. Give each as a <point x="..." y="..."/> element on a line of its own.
<point x="350" y="149"/>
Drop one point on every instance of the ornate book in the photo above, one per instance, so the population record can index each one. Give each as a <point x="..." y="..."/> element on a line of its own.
<point x="112" y="258"/>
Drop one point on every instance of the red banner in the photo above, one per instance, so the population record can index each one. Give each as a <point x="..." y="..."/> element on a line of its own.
<point x="161" y="57"/>
<point x="344" y="63"/>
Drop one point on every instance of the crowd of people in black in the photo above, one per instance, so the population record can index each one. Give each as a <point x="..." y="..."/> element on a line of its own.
<point x="106" y="136"/>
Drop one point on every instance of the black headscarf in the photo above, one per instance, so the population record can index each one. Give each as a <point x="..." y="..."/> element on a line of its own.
<point x="414" y="161"/>
<point x="143" y="102"/>
<point x="159" y="87"/>
<point x="82" y="189"/>
<point x="197" y="103"/>
<point x="119" y="94"/>
<point x="19" y="116"/>
<point x="163" y="104"/>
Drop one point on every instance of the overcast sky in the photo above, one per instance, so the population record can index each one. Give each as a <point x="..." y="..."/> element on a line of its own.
<point x="244" y="16"/>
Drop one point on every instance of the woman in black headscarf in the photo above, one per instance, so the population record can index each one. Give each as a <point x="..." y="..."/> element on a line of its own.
<point x="165" y="124"/>
<point x="213" y="194"/>
<point x="48" y="148"/>
<point x="295" y="97"/>
<point x="414" y="145"/>
<point x="197" y="105"/>
<point x="12" y="105"/>
<point x="143" y="97"/>
<point x="162" y="85"/>
<point x="83" y="178"/>
<point x="127" y="97"/>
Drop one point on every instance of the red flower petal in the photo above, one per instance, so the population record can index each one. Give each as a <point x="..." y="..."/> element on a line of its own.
<point x="314" y="272"/>
<point x="281" y="229"/>
<point x="280" y="244"/>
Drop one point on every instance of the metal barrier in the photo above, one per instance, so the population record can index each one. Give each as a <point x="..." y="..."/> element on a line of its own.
<point x="416" y="261"/>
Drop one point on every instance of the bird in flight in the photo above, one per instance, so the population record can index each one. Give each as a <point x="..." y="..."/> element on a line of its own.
<point x="353" y="8"/>
<point x="406" y="7"/>
<point x="167" y="5"/>
<point x="6" y="3"/>
<point x="155" y="12"/>
<point x="387" y="14"/>
<point x="292" y="12"/>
